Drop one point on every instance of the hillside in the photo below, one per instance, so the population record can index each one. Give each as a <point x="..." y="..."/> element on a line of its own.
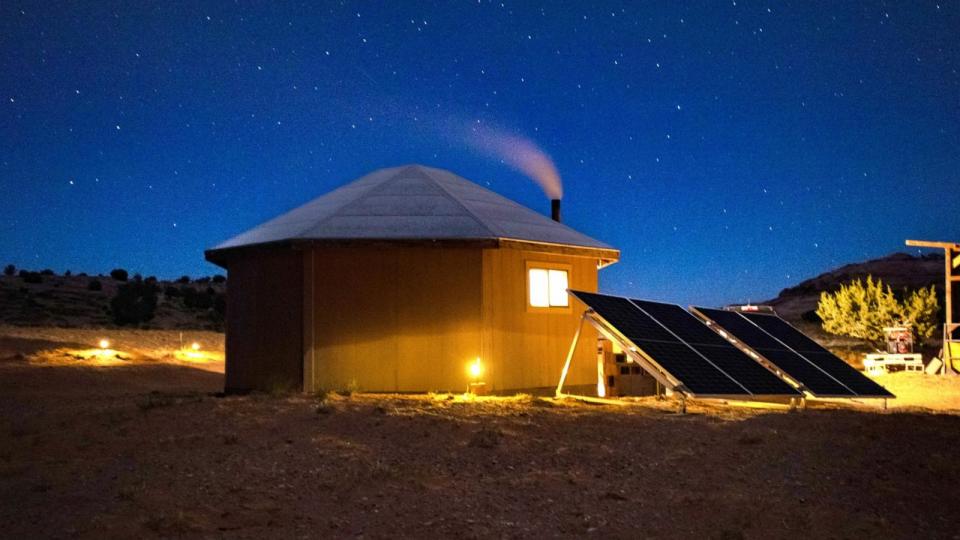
<point x="75" y="301"/>
<point x="899" y="270"/>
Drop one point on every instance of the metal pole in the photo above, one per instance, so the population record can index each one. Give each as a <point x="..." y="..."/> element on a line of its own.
<point x="573" y="348"/>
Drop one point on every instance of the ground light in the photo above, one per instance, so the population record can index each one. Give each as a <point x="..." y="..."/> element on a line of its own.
<point x="104" y="344"/>
<point x="477" y="386"/>
<point x="195" y="353"/>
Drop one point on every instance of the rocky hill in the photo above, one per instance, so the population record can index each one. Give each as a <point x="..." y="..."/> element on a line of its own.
<point x="899" y="270"/>
<point x="30" y="298"/>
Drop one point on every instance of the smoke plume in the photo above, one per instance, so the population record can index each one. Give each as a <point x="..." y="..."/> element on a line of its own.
<point x="521" y="154"/>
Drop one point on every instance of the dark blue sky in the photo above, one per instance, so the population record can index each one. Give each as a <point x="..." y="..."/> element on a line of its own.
<point x="729" y="149"/>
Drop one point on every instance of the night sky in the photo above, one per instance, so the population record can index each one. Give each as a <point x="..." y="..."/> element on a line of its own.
<point x="729" y="149"/>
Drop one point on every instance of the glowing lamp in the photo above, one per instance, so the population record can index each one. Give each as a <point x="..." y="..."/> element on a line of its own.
<point x="104" y="344"/>
<point x="195" y="346"/>
<point x="476" y="369"/>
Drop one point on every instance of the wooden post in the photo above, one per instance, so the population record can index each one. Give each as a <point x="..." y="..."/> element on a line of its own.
<point x="951" y="261"/>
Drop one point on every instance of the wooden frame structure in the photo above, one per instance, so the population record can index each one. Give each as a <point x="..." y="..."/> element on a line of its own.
<point x="951" y="271"/>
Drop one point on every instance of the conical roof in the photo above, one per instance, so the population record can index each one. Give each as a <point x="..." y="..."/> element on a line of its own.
<point x="412" y="203"/>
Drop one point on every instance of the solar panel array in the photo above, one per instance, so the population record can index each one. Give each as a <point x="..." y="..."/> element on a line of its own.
<point x="801" y="358"/>
<point x="683" y="346"/>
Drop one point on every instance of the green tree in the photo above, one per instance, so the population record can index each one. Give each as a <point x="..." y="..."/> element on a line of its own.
<point x="920" y="309"/>
<point x="861" y="309"/>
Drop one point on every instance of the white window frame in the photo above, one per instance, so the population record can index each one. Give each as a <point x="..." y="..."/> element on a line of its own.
<point x="548" y="266"/>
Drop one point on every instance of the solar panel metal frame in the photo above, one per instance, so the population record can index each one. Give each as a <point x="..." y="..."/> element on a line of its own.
<point x="759" y="356"/>
<point x="650" y="364"/>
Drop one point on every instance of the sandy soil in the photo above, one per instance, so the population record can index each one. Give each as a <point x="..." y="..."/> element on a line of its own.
<point x="146" y="448"/>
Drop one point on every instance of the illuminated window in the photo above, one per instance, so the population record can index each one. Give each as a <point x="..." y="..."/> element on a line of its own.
<point x="548" y="287"/>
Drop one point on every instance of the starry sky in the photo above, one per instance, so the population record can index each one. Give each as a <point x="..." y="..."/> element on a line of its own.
<point x="728" y="148"/>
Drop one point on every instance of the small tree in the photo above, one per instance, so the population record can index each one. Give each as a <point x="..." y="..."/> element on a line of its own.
<point x="94" y="285"/>
<point x="861" y="309"/>
<point x="119" y="274"/>
<point x="9" y="270"/>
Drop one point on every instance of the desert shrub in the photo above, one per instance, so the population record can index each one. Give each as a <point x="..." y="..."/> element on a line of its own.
<point x="119" y="274"/>
<point x="811" y="316"/>
<point x="134" y="303"/>
<point x="9" y="270"/>
<point x="94" y="285"/>
<point x="47" y="272"/>
<point x="170" y="291"/>
<point x="205" y="279"/>
<point x="68" y="273"/>
<point x="33" y="277"/>
<point x="183" y="279"/>
<point x="138" y="278"/>
<point x="219" y="278"/>
<point x="861" y="309"/>
<point x="201" y="300"/>
<point x="23" y="273"/>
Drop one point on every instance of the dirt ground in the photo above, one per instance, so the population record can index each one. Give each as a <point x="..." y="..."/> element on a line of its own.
<point x="146" y="448"/>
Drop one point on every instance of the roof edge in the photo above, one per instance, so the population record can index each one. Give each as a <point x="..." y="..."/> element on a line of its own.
<point x="222" y="256"/>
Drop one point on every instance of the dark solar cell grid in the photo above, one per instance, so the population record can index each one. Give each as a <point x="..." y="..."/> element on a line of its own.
<point x="790" y="336"/>
<point x="681" y="323"/>
<point x="692" y="370"/>
<point x="741" y="328"/>
<point x="756" y="378"/>
<point x="624" y="316"/>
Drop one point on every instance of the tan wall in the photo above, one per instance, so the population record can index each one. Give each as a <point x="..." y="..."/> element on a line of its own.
<point x="400" y="319"/>
<point x="392" y="319"/>
<point x="526" y="348"/>
<point x="264" y="314"/>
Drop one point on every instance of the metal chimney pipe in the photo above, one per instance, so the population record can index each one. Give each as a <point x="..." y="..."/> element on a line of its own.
<point x="555" y="209"/>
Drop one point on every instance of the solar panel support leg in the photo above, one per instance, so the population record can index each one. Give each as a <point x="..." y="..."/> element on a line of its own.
<point x="573" y="348"/>
<point x="682" y="407"/>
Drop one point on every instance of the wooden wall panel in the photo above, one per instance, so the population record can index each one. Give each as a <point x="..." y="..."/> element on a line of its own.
<point x="263" y="342"/>
<point x="395" y="319"/>
<point x="526" y="349"/>
<point x="404" y="319"/>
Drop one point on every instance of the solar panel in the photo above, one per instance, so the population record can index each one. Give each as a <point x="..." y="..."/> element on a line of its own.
<point x="801" y="358"/>
<point x="821" y="357"/>
<point x="663" y="332"/>
<point x="690" y="368"/>
<point x="793" y="364"/>
<point x="624" y="316"/>
<point x="735" y="363"/>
